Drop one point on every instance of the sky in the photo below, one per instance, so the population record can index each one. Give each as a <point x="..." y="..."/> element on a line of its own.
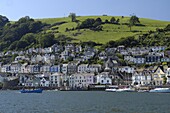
<point x="154" y="9"/>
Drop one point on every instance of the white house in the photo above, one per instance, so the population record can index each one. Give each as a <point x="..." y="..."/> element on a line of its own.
<point x="104" y="78"/>
<point x="6" y="68"/>
<point x="56" y="79"/>
<point x="168" y="75"/>
<point x="82" y="80"/>
<point x="44" y="82"/>
<point x="15" y="68"/>
<point x="142" y="78"/>
<point x="94" y="68"/>
<point x="24" y="68"/>
<point x="82" y="68"/>
<point x="126" y="69"/>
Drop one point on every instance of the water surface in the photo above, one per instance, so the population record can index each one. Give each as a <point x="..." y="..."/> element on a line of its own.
<point x="84" y="102"/>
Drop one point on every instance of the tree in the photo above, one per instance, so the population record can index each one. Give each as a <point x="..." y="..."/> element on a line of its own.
<point x="133" y="21"/>
<point x="46" y="40"/>
<point x="3" y="20"/>
<point x="73" y="17"/>
<point x="167" y="28"/>
<point x="113" y="20"/>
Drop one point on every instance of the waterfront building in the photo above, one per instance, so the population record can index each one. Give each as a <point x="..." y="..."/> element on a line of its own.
<point x="56" y="79"/>
<point x="81" y="80"/>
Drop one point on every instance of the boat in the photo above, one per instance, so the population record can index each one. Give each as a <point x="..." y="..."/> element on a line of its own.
<point x="142" y="91"/>
<point x="31" y="90"/>
<point x="111" y="90"/>
<point x="160" y="90"/>
<point x="125" y="90"/>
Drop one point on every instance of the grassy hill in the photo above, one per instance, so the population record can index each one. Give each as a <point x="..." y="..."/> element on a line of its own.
<point x="110" y="31"/>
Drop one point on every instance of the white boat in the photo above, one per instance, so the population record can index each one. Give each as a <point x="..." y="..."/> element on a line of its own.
<point x="125" y="90"/>
<point x="111" y="90"/>
<point x="141" y="91"/>
<point x="160" y="90"/>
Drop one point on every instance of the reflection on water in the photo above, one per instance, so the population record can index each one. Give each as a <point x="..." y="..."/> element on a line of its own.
<point x="84" y="102"/>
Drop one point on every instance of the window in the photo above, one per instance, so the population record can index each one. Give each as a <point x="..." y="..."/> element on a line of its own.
<point x="102" y="81"/>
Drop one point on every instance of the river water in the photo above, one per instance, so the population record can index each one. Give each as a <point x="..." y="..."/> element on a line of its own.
<point x="84" y="102"/>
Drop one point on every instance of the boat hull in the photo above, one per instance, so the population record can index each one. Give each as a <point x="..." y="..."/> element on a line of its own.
<point x="32" y="91"/>
<point x="110" y="90"/>
<point x="125" y="90"/>
<point x="160" y="90"/>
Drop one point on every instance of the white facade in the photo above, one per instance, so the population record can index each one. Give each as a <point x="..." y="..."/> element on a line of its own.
<point x="168" y="75"/>
<point x="138" y="60"/>
<point x="141" y="79"/>
<point x="127" y="69"/>
<point x="104" y="78"/>
<point x="44" y="82"/>
<point x="82" y="68"/>
<point x="55" y="79"/>
<point x="81" y="80"/>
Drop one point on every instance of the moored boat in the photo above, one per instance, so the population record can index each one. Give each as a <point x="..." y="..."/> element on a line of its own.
<point x="126" y="90"/>
<point x="31" y="91"/>
<point x="111" y="90"/>
<point x="160" y="90"/>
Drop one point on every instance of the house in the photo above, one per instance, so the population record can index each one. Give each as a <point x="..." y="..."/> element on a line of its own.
<point x="120" y="48"/>
<point x="168" y="76"/>
<point x="104" y="78"/>
<point x="110" y="51"/>
<point x="128" y="58"/>
<point x="6" y="68"/>
<point x="89" y="54"/>
<point x="57" y="48"/>
<point x="55" y="68"/>
<point x="45" y="68"/>
<point x="36" y="68"/>
<point x="102" y="55"/>
<point x="70" y="47"/>
<point x="94" y="68"/>
<point x="165" y="59"/>
<point x="143" y="78"/>
<point x="69" y="68"/>
<point x="159" y="76"/>
<point x="153" y="58"/>
<point x="56" y="79"/>
<point x="44" y="82"/>
<point x="29" y="80"/>
<point x="138" y="59"/>
<point x="127" y="69"/>
<point x="82" y="68"/>
<point x="15" y="68"/>
<point x="158" y="48"/>
<point x="65" y="55"/>
<point x="24" y="68"/>
<point x="81" y="80"/>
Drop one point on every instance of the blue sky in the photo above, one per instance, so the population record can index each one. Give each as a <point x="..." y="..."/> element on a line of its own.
<point x="154" y="9"/>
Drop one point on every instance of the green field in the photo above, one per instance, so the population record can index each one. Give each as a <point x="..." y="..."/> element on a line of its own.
<point x="110" y="31"/>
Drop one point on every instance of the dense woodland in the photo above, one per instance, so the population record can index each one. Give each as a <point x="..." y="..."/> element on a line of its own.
<point x="27" y="32"/>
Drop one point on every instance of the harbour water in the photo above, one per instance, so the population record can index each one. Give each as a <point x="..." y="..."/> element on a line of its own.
<point x="84" y="102"/>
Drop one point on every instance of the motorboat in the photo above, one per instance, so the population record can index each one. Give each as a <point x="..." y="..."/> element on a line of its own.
<point x="125" y="90"/>
<point x="160" y="90"/>
<point x="31" y="90"/>
<point x="142" y="91"/>
<point x="111" y="90"/>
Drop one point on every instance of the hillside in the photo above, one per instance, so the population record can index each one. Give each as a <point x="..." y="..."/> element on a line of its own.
<point x="109" y="32"/>
<point x="27" y="32"/>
